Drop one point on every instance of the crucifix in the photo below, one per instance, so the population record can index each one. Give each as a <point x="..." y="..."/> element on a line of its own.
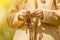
<point x="30" y="23"/>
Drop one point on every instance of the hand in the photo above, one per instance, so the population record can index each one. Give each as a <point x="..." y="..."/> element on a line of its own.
<point x="23" y="15"/>
<point x="13" y="23"/>
<point x="37" y="13"/>
<point x="10" y="19"/>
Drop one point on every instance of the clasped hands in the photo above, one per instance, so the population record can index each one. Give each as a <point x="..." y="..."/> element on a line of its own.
<point x="27" y="14"/>
<point x="21" y="17"/>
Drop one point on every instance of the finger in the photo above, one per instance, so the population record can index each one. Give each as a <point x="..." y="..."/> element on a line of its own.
<point x="8" y="19"/>
<point x="22" y="12"/>
<point x="20" y="18"/>
<point x="11" y="20"/>
<point x="38" y="13"/>
<point x="34" y="11"/>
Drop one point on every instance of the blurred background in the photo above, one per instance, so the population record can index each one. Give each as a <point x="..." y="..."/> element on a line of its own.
<point x="6" y="33"/>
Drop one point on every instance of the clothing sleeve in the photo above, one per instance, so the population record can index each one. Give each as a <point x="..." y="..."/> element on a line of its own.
<point x="52" y="18"/>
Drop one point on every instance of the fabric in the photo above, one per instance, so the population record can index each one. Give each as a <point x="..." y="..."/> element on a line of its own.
<point x="48" y="32"/>
<point x="48" y="29"/>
